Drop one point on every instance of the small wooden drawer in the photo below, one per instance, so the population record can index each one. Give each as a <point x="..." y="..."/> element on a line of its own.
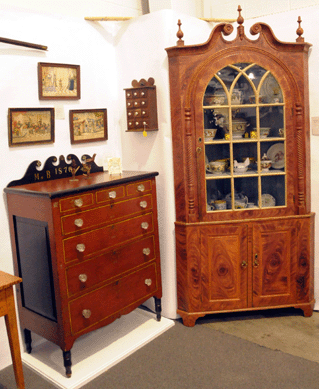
<point x="138" y="187"/>
<point x="112" y="264"/>
<point x="93" y="242"/>
<point x="106" y="214"/>
<point x="115" y="297"/>
<point x="76" y="202"/>
<point x="131" y="123"/>
<point x="112" y="194"/>
<point x="136" y="94"/>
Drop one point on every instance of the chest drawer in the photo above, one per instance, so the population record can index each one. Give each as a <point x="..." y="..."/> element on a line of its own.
<point x="109" y="265"/>
<point x="105" y="214"/>
<point x="111" y="194"/>
<point x="112" y="298"/>
<point x="139" y="187"/>
<point x="92" y="242"/>
<point x="76" y="202"/>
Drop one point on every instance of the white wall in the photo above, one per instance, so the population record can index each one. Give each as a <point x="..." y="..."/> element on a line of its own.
<point x="142" y="55"/>
<point x="69" y="41"/>
<point x="252" y="8"/>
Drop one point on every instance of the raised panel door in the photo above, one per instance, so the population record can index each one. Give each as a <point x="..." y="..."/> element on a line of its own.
<point x="224" y="267"/>
<point x="274" y="263"/>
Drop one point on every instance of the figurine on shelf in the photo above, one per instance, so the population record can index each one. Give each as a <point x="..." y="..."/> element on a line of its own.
<point x="74" y="169"/>
<point x="86" y="166"/>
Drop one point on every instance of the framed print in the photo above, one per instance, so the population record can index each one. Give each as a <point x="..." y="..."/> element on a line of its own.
<point x="28" y="126"/>
<point x="59" y="81"/>
<point x="88" y="125"/>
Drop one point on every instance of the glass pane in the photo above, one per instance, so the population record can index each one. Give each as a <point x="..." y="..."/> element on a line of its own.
<point x="216" y="194"/>
<point x="217" y="159"/>
<point x="271" y="121"/>
<point x="273" y="191"/>
<point x="241" y="152"/>
<point x="242" y="65"/>
<point x="255" y="73"/>
<point x="214" y="123"/>
<point x="271" y="91"/>
<point x="275" y="152"/>
<point x="246" y="192"/>
<point x="227" y="75"/>
<point x="243" y="121"/>
<point x="242" y="92"/>
<point x="214" y="94"/>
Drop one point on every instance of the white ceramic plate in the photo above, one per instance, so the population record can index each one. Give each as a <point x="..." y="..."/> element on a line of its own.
<point x="276" y="153"/>
<point x="268" y="200"/>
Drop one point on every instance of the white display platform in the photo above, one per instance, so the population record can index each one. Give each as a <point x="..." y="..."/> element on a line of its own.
<point x="94" y="353"/>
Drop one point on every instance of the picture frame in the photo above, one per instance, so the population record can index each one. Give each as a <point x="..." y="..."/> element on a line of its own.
<point x="88" y="125"/>
<point x="59" y="81"/>
<point x="30" y="126"/>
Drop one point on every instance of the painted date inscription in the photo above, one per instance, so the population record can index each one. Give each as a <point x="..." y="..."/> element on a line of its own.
<point x="69" y="167"/>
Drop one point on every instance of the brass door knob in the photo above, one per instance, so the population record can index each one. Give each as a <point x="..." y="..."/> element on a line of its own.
<point x="244" y="264"/>
<point x="256" y="262"/>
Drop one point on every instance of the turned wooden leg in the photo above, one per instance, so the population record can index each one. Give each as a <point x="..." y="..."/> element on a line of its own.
<point x="158" y="308"/>
<point x="67" y="363"/>
<point x="13" y="335"/>
<point x="27" y="340"/>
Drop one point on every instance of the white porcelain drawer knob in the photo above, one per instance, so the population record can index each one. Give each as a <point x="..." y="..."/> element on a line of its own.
<point x="148" y="282"/>
<point x="80" y="247"/>
<point x="140" y="188"/>
<point x="146" y="251"/>
<point x="78" y="203"/>
<point x="112" y="195"/>
<point x="83" y="277"/>
<point x="144" y="225"/>
<point x="86" y="313"/>
<point x="143" y="204"/>
<point x="78" y="222"/>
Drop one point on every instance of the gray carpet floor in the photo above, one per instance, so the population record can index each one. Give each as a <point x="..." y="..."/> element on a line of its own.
<point x="197" y="358"/>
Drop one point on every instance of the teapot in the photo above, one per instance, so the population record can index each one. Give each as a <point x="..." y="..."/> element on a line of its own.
<point x="241" y="200"/>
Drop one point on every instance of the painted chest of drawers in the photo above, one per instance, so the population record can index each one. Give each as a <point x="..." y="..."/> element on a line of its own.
<point x="87" y="251"/>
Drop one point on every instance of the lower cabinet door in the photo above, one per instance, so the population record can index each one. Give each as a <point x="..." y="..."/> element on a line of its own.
<point x="117" y="296"/>
<point x="224" y="267"/>
<point x="275" y="247"/>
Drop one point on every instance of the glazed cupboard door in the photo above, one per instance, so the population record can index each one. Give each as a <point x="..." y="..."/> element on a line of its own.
<point x="244" y="139"/>
<point x="274" y="263"/>
<point x="224" y="267"/>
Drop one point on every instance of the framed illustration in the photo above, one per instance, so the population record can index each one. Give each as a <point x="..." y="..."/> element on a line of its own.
<point x="88" y="125"/>
<point x="59" y="81"/>
<point x="30" y="126"/>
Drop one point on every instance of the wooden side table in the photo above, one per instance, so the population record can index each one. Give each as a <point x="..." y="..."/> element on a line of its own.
<point x="7" y="309"/>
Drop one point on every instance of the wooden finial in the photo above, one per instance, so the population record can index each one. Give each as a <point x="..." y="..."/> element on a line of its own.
<point x="180" y="34"/>
<point x="299" y="31"/>
<point x="240" y="21"/>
